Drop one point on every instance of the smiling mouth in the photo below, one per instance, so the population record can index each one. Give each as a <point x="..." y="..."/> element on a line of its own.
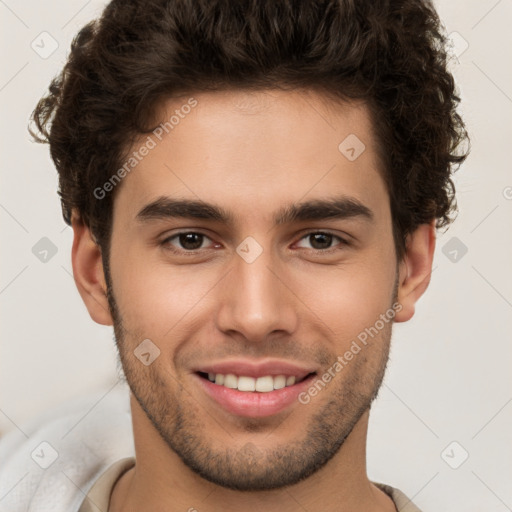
<point x="264" y="384"/>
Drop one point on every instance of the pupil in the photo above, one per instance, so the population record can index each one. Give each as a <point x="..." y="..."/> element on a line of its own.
<point x="187" y="240"/>
<point x="324" y="239"/>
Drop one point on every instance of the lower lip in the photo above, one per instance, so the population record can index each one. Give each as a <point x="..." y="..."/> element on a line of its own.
<point x="254" y="404"/>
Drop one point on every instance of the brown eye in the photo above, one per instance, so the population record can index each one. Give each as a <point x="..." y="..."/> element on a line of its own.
<point x="320" y="240"/>
<point x="191" y="241"/>
<point x="186" y="241"/>
<point x="323" y="241"/>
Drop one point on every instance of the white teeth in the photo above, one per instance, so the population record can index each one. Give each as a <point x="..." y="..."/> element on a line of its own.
<point x="231" y="381"/>
<point x="243" y="383"/>
<point x="279" y="382"/>
<point x="246" y="383"/>
<point x="265" y="384"/>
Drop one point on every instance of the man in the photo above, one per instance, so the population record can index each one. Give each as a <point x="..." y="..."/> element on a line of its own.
<point x="254" y="189"/>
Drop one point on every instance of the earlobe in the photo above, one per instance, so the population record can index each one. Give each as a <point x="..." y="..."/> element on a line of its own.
<point x="415" y="269"/>
<point x="88" y="272"/>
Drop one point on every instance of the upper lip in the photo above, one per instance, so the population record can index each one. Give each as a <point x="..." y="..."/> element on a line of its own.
<point x="257" y="369"/>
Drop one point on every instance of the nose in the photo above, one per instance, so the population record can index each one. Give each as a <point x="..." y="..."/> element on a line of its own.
<point x="256" y="300"/>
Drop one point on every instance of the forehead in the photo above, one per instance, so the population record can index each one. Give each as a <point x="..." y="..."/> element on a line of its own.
<point x="254" y="152"/>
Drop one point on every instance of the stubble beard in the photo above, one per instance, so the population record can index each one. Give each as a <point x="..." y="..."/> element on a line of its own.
<point x="183" y="425"/>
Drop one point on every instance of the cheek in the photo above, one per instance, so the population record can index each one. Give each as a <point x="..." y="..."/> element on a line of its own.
<point x="350" y="298"/>
<point x="156" y="299"/>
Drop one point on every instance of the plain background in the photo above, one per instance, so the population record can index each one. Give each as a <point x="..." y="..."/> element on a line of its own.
<point x="449" y="378"/>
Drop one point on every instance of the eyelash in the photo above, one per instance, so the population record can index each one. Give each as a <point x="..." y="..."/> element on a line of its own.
<point x="166" y="243"/>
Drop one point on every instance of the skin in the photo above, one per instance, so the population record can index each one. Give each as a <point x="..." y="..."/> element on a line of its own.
<point x="251" y="154"/>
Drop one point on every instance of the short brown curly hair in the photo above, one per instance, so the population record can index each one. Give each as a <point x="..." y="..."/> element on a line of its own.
<point x="389" y="53"/>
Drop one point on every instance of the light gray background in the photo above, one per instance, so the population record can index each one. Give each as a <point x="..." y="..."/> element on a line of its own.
<point x="449" y="378"/>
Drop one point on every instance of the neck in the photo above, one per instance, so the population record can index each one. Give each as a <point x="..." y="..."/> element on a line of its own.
<point x="161" y="481"/>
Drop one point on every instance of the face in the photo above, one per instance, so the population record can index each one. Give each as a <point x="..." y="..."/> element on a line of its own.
<point x="247" y="243"/>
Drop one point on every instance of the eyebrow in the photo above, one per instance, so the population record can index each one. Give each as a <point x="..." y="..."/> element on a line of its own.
<point x="342" y="207"/>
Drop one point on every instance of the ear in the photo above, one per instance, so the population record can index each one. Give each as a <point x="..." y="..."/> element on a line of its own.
<point x="88" y="272"/>
<point x="415" y="269"/>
